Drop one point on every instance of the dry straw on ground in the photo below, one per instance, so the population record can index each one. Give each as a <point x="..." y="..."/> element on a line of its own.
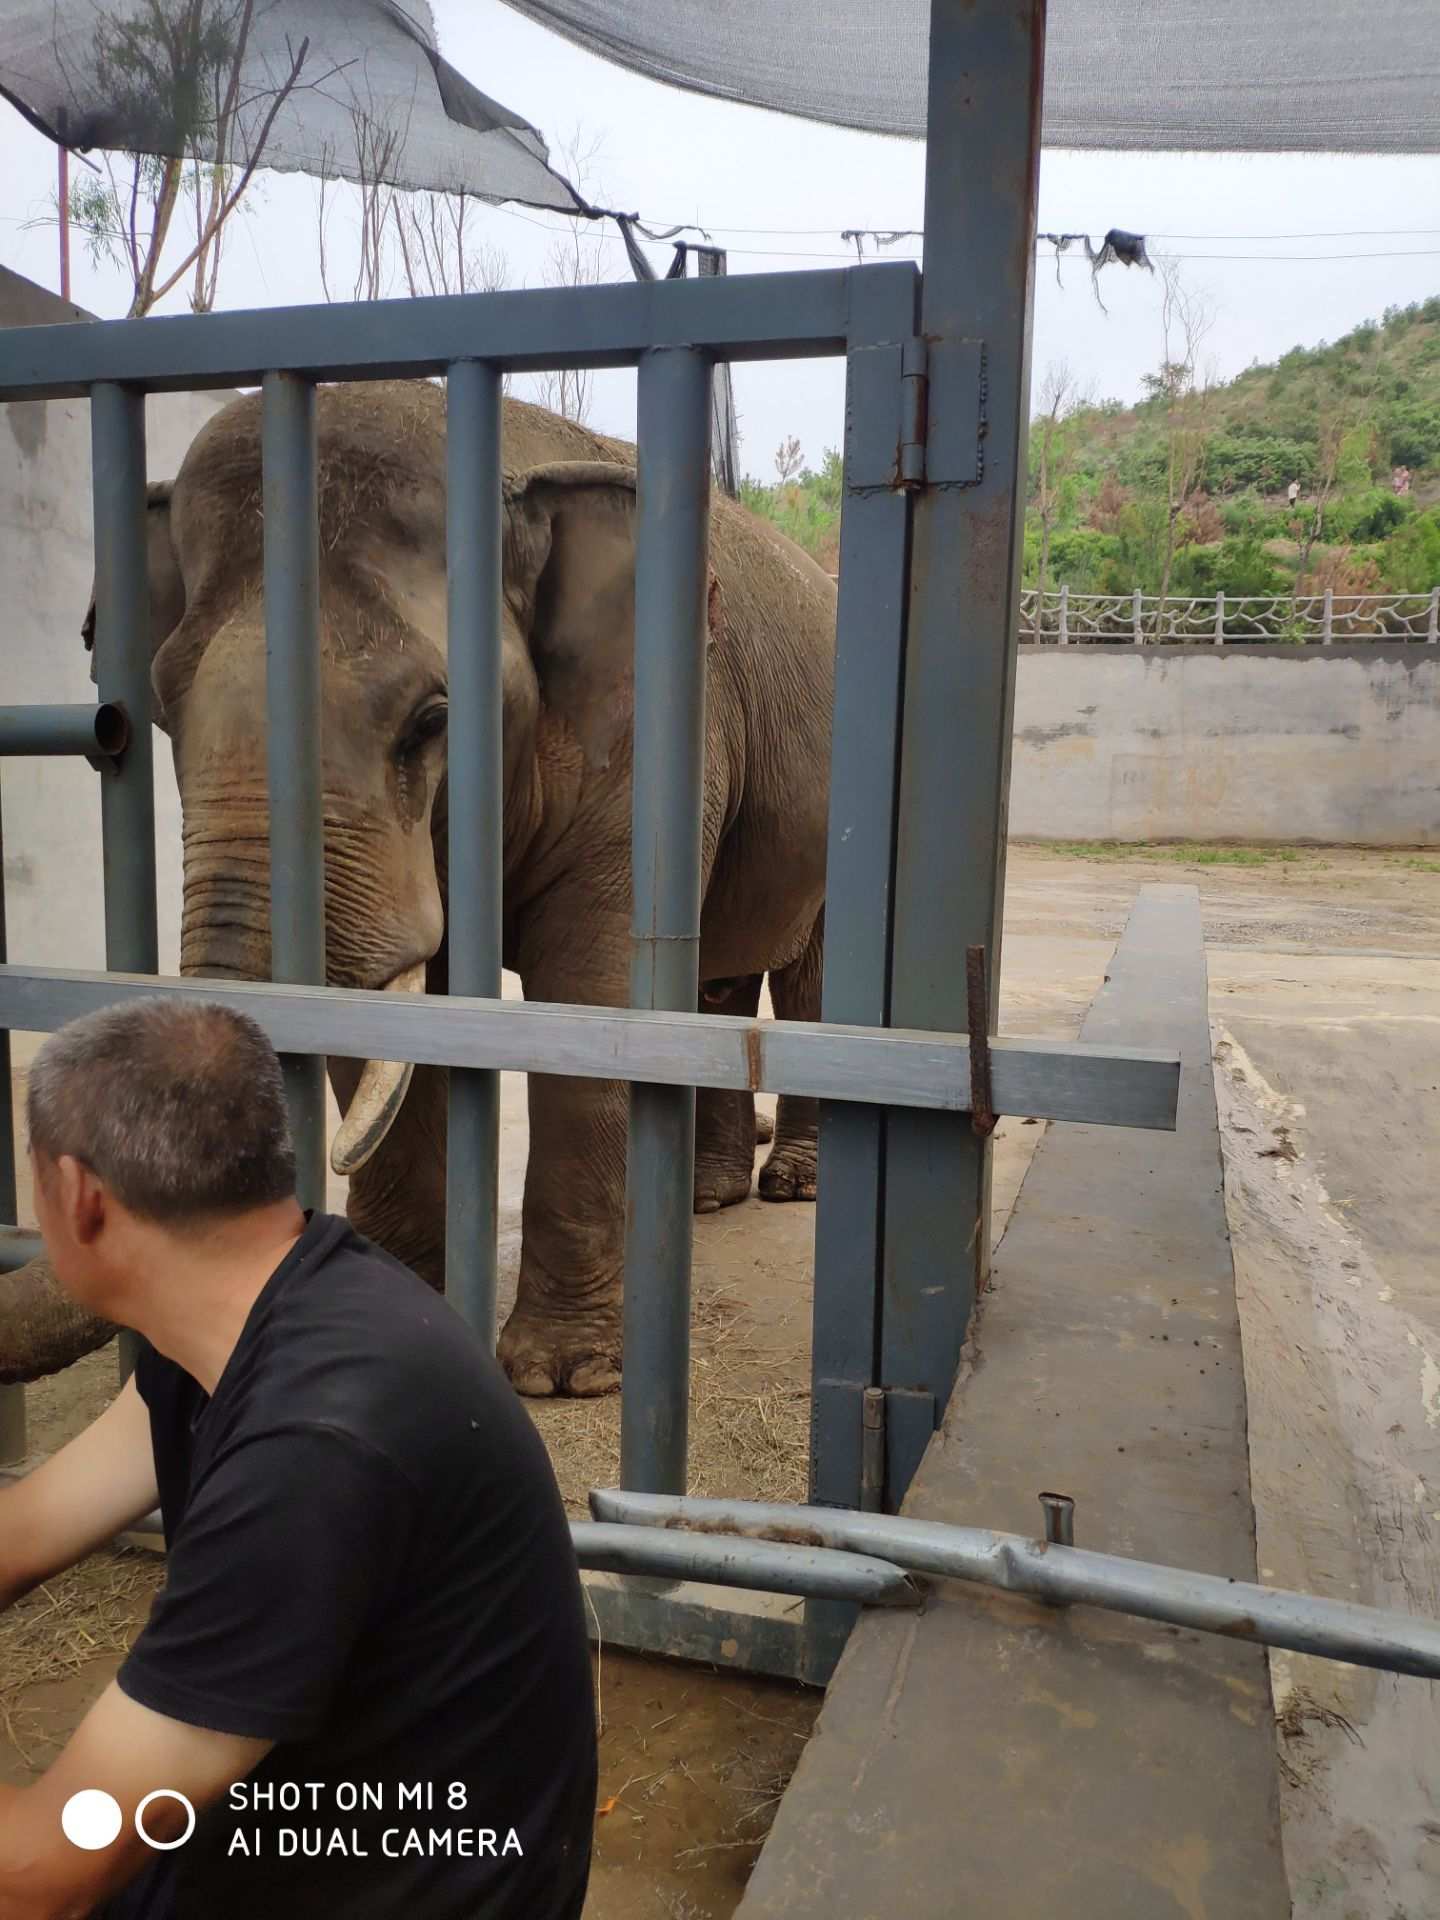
<point x="749" y="1417"/>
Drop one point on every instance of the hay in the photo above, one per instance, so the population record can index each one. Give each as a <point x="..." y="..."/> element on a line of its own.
<point x="749" y="1416"/>
<point x="53" y="1634"/>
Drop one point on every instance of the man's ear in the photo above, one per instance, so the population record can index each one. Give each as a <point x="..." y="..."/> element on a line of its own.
<point x="167" y="588"/>
<point x="79" y="1196"/>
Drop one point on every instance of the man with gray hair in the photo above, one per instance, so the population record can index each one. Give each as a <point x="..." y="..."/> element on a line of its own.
<point x="364" y="1688"/>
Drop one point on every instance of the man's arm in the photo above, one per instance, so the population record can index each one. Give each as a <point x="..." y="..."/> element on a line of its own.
<point x="127" y="1751"/>
<point x="92" y="1489"/>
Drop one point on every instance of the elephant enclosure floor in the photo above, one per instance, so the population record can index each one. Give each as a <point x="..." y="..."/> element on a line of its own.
<point x="1325" y="1000"/>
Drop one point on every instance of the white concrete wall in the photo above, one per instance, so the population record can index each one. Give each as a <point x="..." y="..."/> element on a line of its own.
<point x="1270" y="743"/>
<point x="53" y="897"/>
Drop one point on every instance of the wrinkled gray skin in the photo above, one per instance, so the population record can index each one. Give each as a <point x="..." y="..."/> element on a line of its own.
<point x="568" y="638"/>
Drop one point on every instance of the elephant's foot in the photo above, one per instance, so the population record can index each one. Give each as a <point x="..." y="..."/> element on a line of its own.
<point x="789" y="1173"/>
<point x="720" y="1183"/>
<point x="544" y="1355"/>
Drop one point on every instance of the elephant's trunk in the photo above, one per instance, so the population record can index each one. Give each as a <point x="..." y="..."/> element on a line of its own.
<point x="41" y="1328"/>
<point x="226" y="936"/>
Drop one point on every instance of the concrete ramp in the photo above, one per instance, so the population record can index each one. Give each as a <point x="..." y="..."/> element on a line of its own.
<point x="995" y="1757"/>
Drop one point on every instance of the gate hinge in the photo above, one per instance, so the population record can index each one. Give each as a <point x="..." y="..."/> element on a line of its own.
<point x="942" y="414"/>
<point x="895" y="1428"/>
<point x="914" y="412"/>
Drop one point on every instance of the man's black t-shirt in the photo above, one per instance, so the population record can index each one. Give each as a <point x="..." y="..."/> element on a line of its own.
<point x="368" y="1563"/>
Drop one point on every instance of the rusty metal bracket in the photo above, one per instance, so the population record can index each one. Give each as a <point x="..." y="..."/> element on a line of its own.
<point x="977" y="1013"/>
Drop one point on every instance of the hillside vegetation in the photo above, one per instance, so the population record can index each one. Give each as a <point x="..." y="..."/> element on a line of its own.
<point x="1186" y="492"/>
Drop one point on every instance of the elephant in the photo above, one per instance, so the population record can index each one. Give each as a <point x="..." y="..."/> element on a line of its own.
<point x="568" y="626"/>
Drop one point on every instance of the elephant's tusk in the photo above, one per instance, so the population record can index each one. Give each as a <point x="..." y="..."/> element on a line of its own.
<point x="378" y="1097"/>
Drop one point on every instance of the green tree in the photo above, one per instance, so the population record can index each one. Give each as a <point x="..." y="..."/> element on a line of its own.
<point x="175" y="67"/>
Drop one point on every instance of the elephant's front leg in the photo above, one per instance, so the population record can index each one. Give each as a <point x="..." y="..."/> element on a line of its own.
<point x="564" y="1333"/>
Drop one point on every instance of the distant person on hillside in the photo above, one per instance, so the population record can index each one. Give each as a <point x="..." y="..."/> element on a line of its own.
<point x="1292" y="492"/>
<point x="1400" y="479"/>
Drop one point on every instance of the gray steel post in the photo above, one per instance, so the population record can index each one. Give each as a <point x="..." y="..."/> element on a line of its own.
<point x="475" y="757"/>
<point x="982" y="170"/>
<point x="13" y="1441"/>
<point x="292" y="697"/>
<point x="122" y="677"/>
<point x="671" y="578"/>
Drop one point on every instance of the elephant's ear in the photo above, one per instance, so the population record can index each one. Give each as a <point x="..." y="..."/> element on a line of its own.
<point x="570" y="568"/>
<point x="167" y="588"/>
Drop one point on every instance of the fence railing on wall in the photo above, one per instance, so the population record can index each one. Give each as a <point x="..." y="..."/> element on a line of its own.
<point x="1062" y="618"/>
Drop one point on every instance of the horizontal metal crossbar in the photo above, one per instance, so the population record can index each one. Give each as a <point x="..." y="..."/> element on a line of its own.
<point x="1049" y="1079"/>
<point x="747" y="317"/>
<point x="1333" y="1629"/>
<point x="88" y="730"/>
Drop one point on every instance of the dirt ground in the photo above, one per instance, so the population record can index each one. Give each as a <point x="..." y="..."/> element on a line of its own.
<point x="1325" y="999"/>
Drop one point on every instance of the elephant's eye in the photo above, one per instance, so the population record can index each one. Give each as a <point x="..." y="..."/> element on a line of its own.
<point x="426" y="725"/>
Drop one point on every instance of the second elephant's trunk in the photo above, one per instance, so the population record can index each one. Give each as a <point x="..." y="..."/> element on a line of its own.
<point x="41" y="1328"/>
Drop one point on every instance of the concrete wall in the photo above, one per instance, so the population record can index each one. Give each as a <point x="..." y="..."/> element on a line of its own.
<point x="1266" y="743"/>
<point x="53" y="894"/>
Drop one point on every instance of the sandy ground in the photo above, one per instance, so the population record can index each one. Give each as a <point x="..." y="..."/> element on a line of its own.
<point x="1325" y="995"/>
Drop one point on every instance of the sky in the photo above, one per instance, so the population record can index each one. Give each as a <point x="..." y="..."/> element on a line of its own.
<point x="777" y="192"/>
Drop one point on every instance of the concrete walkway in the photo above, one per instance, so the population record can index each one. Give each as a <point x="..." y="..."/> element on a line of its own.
<point x="994" y="1757"/>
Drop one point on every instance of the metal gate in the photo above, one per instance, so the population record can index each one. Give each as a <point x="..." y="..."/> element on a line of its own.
<point x="933" y="512"/>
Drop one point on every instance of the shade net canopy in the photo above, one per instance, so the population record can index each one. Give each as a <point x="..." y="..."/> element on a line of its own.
<point x="1336" y="76"/>
<point x="349" y="89"/>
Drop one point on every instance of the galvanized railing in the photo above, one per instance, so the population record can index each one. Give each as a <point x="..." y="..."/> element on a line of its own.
<point x="1061" y="618"/>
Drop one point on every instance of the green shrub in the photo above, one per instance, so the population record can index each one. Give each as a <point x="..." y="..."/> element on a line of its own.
<point x="1410" y="559"/>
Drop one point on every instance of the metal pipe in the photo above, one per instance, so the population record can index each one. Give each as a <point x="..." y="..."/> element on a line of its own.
<point x="14" y="1443"/>
<point x="474" y="774"/>
<point x="122" y="679"/>
<point x="97" y="732"/>
<point x="766" y="1566"/>
<point x="1332" y="1629"/>
<point x="671" y="578"/>
<point x="292" y="699"/>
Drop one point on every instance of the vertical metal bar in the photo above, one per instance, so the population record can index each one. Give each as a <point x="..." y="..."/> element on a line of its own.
<point x="122" y="676"/>
<point x="13" y="1441"/>
<point x="1137" y="616"/>
<point x="845" y="1455"/>
<point x="1327" y="619"/>
<point x="982" y="168"/>
<point x="864" y="760"/>
<point x="1432" y="631"/>
<point x="292" y="700"/>
<point x="474" y="767"/>
<point x="671" y="576"/>
<point x="1064" y="616"/>
<point x="1219" y="619"/>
